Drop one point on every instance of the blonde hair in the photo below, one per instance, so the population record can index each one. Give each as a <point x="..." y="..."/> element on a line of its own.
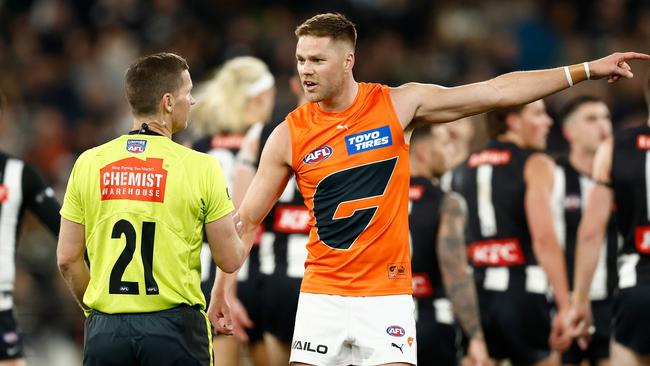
<point x="221" y="101"/>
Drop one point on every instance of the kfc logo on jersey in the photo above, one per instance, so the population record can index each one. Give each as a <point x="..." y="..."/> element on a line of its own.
<point x="136" y="146"/>
<point x="368" y="140"/>
<point x="415" y="192"/>
<point x="291" y="219"/>
<point x="395" y="331"/>
<point x="643" y="142"/>
<point x="4" y="193"/>
<point x="133" y="179"/>
<point x="505" y="252"/>
<point x="318" y="154"/>
<point x="422" y="285"/>
<point x="642" y="239"/>
<point x="489" y="157"/>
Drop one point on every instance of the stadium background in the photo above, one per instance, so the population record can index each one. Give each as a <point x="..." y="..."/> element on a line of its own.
<point x="62" y="65"/>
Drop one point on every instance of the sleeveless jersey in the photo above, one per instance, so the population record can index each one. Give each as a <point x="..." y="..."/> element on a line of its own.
<point x="352" y="169"/>
<point x="144" y="200"/>
<point x="224" y="148"/>
<point x="424" y="219"/>
<point x="492" y="182"/>
<point x="630" y="179"/>
<point x="286" y="229"/>
<point x="570" y="192"/>
<point x="21" y="187"/>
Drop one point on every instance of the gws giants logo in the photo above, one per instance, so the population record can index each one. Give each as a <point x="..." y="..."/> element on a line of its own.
<point x="136" y="146"/>
<point x="395" y="331"/>
<point x="318" y="154"/>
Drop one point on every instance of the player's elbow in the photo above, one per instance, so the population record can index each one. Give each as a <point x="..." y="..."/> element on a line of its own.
<point x="65" y="263"/>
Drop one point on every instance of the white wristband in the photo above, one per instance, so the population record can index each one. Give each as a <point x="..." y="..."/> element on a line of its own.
<point x="568" y="75"/>
<point x="586" y="65"/>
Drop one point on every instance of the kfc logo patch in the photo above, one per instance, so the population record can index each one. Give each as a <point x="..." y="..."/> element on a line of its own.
<point x="505" y="252"/>
<point x="291" y="219"/>
<point x="642" y="239"/>
<point x="4" y="193"/>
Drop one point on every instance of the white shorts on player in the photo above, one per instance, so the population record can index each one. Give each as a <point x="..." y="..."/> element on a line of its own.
<point x="346" y="330"/>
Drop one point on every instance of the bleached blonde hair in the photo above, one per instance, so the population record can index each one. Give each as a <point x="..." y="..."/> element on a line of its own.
<point x="221" y="101"/>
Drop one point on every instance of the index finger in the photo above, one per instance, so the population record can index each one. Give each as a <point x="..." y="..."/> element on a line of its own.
<point x="635" y="56"/>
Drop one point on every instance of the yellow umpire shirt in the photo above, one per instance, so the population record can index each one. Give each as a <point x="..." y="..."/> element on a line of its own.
<point x="144" y="200"/>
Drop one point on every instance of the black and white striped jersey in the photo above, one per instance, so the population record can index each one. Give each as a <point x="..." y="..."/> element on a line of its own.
<point x="630" y="173"/>
<point x="286" y="229"/>
<point x="499" y="245"/>
<point x="570" y="193"/>
<point x="224" y="148"/>
<point x="21" y="187"/>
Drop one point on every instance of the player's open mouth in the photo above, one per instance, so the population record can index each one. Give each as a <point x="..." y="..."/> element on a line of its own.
<point x="309" y="85"/>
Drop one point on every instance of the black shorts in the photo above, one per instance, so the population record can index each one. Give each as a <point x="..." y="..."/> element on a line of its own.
<point x="631" y="318"/>
<point x="516" y="325"/>
<point x="280" y="305"/>
<point x="438" y="343"/>
<point x="11" y="341"/>
<point x="248" y="293"/>
<point x="179" y="336"/>
<point x="599" y="346"/>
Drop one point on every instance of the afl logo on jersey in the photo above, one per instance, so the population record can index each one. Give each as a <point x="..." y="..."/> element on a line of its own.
<point x="136" y="146"/>
<point x="395" y="331"/>
<point x="318" y="154"/>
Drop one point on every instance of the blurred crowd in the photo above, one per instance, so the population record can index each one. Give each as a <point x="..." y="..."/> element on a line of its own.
<point x="62" y="64"/>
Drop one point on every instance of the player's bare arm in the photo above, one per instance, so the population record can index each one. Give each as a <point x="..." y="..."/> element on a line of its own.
<point x="226" y="247"/>
<point x="70" y="259"/>
<point x="459" y="285"/>
<point x="435" y="104"/>
<point x="245" y="165"/>
<point x="538" y="173"/>
<point x="269" y="182"/>
<point x="591" y="233"/>
<point x="458" y="282"/>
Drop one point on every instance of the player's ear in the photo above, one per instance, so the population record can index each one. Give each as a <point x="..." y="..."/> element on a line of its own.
<point x="513" y="121"/>
<point x="349" y="61"/>
<point x="168" y="102"/>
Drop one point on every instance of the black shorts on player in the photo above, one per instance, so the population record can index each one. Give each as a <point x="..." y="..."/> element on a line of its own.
<point x="280" y="305"/>
<point x="516" y="325"/>
<point x="438" y="343"/>
<point x="175" y="337"/>
<point x="631" y="318"/>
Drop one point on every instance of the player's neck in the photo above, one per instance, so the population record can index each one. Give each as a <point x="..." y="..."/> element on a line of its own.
<point x="420" y="170"/>
<point x="154" y="125"/>
<point x="512" y="137"/>
<point x="581" y="160"/>
<point x="343" y="100"/>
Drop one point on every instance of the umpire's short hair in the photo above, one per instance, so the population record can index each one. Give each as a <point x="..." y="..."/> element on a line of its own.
<point x="150" y="77"/>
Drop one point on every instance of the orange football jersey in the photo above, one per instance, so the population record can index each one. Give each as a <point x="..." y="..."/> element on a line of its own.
<point x="352" y="168"/>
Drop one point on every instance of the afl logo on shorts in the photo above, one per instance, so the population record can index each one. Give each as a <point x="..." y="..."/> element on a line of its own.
<point x="318" y="154"/>
<point x="136" y="146"/>
<point x="395" y="331"/>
